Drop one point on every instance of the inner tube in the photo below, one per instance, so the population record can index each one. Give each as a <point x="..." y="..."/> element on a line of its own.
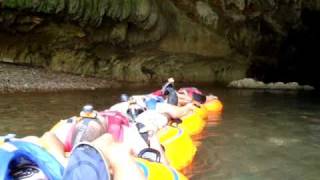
<point x="158" y="171"/>
<point x="214" y="105"/>
<point x="193" y="124"/>
<point x="178" y="145"/>
<point x="202" y="112"/>
<point x="13" y="151"/>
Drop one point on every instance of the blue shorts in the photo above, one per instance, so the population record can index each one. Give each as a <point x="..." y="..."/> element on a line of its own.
<point x="86" y="162"/>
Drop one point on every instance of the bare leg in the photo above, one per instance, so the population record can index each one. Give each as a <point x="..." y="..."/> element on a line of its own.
<point x="122" y="163"/>
<point x="54" y="146"/>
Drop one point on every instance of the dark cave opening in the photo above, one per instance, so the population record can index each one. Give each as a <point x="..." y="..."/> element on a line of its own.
<point x="301" y="51"/>
<point x="298" y="55"/>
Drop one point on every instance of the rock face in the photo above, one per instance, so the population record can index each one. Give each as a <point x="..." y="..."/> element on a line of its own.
<point x="142" y="40"/>
<point x="254" y="84"/>
<point x="206" y="14"/>
<point x="101" y="38"/>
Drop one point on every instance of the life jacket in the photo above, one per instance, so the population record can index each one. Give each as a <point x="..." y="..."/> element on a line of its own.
<point x="13" y="151"/>
<point x="114" y="121"/>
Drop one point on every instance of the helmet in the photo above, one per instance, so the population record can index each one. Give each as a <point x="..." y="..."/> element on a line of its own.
<point x="87" y="108"/>
<point x="88" y="111"/>
<point x="124" y="97"/>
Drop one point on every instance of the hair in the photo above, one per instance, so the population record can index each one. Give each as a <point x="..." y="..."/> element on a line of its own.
<point x="199" y="98"/>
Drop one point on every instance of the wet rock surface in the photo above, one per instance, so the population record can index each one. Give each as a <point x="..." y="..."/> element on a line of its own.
<point x="254" y="84"/>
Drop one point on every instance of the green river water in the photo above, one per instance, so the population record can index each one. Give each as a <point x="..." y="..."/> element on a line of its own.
<point x="260" y="134"/>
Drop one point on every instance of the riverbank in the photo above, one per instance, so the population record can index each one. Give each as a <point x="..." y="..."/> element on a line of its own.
<point x="17" y="78"/>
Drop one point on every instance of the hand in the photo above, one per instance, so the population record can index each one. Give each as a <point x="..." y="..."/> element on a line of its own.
<point x="171" y="80"/>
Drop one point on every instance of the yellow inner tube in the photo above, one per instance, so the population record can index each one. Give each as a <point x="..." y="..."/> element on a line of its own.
<point x="192" y="124"/>
<point x="202" y="112"/>
<point x="179" y="147"/>
<point x="214" y="105"/>
<point x="56" y="126"/>
<point x="158" y="171"/>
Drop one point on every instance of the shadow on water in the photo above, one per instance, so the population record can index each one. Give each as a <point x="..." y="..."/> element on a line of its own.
<point x="259" y="135"/>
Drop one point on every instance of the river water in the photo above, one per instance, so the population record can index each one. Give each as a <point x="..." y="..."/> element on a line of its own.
<point x="260" y="134"/>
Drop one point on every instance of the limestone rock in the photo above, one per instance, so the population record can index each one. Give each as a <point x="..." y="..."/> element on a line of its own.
<point x="71" y="61"/>
<point x="206" y="14"/>
<point x="240" y="4"/>
<point x="118" y="33"/>
<point x="254" y="84"/>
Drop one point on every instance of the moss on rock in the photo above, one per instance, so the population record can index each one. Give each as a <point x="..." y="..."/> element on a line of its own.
<point x="73" y="62"/>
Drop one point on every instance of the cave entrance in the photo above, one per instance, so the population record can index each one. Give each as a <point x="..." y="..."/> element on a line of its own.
<point x="298" y="55"/>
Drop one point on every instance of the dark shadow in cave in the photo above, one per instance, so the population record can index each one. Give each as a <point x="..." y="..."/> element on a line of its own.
<point x="301" y="52"/>
<point x="296" y="59"/>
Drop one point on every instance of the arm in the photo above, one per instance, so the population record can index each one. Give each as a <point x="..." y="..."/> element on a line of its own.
<point x="53" y="145"/>
<point x="174" y="111"/>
